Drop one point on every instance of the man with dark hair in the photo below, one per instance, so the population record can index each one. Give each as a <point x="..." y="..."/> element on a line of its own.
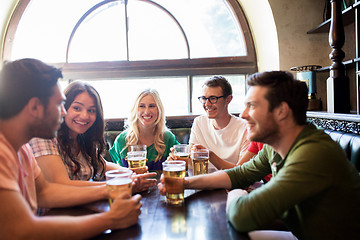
<point x="31" y="105"/>
<point x="221" y="132"/>
<point x="17" y="91"/>
<point x="281" y="89"/>
<point x="314" y="190"/>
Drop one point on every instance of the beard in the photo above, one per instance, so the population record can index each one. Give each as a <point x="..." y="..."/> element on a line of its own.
<point x="267" y="134"/>
<point x="47" y="128"/>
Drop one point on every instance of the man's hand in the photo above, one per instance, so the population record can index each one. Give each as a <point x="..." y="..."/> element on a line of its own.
<point x="193" y="148"/>
<point x="142" y="182"/>
<point x="125" y="211"/>
<point x="197" y="147"/>
<point x="161" y="185"/>
<point x="233" y="194"/>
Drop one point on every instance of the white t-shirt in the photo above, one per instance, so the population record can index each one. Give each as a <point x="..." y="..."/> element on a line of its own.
<point x="229" y="143"/>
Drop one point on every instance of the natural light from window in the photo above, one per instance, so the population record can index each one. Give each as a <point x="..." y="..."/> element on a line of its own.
<point x="208" y="25"/>
<point x="67" y="32"/>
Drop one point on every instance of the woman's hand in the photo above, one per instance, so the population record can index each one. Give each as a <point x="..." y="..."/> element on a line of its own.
<point x="142" y="182"/>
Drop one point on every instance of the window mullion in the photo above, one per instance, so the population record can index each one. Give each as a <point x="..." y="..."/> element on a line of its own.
<point x="190" y="93"/>
<point x="126" y="31"/>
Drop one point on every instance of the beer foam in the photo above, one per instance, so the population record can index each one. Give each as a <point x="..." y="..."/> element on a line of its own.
<point x="174" y="169"/>
<point x="136" y="158"/>
<point x="119" y="181"/>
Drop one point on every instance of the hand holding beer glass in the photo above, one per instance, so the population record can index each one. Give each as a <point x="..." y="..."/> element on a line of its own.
<point x="174" y="173"/>
<point x="200" y="159"/>
<point x="181" y="152"/>
<point x="136" y="158"/>
<point x="137" y="161"/>
<point x="117" y="182"/>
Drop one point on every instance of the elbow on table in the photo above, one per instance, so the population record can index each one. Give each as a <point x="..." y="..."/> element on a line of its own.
<point x="239" y="221"/>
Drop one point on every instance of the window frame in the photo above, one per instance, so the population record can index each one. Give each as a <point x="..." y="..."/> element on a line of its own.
<point x="119" y="69"/>
<point x="151" y="68"/>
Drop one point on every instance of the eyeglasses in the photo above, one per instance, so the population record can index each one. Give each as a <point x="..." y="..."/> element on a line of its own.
<point x="212" y="99"/>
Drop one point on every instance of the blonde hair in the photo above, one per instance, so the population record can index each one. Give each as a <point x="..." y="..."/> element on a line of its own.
<point x="132" y="123"/>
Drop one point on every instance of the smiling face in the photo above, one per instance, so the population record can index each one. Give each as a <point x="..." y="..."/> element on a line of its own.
<point x="218" y="109"/>
<point x="261" y="124"/>
<point x="147" y="111"/>
<point x="81" y="114"/>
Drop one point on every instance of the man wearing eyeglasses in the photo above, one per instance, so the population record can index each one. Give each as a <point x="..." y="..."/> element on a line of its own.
<point x="222" y="133"/>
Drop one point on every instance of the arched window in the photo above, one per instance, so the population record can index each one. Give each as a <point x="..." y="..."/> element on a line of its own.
<point x="124" y="46"/>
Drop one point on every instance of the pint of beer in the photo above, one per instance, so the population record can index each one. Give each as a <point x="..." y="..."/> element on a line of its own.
<point x="200" y="159"/>
<point x="181" y="152"/>
<point x="137" y="161"/>
<point x="117" y="182"/>
<point x="174" y="173"/>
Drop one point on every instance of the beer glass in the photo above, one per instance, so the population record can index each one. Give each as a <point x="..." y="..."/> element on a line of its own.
<point x="174" y="173"/>
<point x="137" y="161"/>
<point x="138" y="148"/>
<point x="200" y="159"/>
<point x="117" y="182"/>
<point x="181" y="152"/>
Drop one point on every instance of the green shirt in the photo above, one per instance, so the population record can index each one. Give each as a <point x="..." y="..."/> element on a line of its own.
<point x="315" y="190"/>
<point x="118" y="153"/>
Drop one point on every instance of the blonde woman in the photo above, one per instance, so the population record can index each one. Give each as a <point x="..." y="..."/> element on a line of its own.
<point x="145" y="125"/>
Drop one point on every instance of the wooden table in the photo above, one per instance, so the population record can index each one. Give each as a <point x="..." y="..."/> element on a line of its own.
<point x="201" y="217"/>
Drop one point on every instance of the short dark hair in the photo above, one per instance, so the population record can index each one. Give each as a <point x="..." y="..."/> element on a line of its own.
<point x="283" y="88"/>
<point x="22" y="80"/>
<point x="219" y="81"/>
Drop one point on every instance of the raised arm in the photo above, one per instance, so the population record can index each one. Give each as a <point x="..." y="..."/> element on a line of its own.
<point x="220" y="163"/>
<point x="215" y="159"/>
<point x="245" y="158"/>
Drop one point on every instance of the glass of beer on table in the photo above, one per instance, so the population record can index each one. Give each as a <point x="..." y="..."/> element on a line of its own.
<point x="174" y="173"/>
<point x="137" y="161"/>
<point x="200" y="160"/>
<point x="117" y="182"/>
<point x="181" y="152"/>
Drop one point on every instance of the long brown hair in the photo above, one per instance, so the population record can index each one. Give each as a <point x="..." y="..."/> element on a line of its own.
<point x="91" y="142"/>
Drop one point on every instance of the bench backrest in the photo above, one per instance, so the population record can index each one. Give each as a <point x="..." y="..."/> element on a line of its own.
<point x="181" y="127"/>
<point x="350" y="142"/>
